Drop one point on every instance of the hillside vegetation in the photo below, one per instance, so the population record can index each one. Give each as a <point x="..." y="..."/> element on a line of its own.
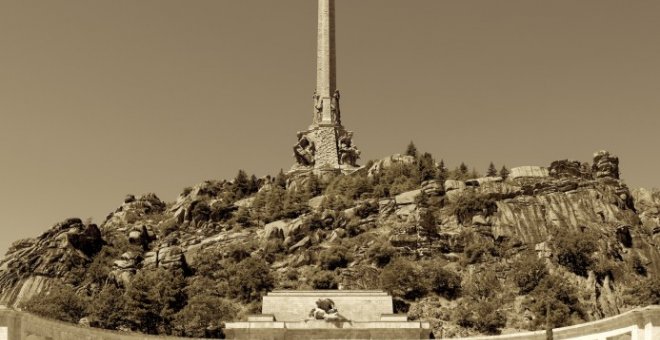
<point x="517" y="249"/>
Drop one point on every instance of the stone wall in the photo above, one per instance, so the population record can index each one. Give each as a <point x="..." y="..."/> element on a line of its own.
<point x="638" y="324"/>
<point x="25" y="326"/>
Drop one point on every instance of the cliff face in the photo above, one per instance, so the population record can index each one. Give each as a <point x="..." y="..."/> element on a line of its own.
<point x="524" y="212"/>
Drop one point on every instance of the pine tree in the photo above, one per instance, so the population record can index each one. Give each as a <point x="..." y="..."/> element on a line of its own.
<point x="442" y="171"/>
<point x="411" y="150"/>
<point x="426" y="167"/>
<point x="280" y="180"/>
<point x="253" y="184"/>
<point x="152" y="299"/>
<point x="463" y="170"/>
<point x="107" y="307"/>
<point x="428" y="224"/>
<point x="492" y="171"/>
<point x="504" y="172"/>
<point x="241" y="185"/>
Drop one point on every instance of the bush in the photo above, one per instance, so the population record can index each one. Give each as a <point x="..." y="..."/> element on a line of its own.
<point x="442" y="281"/>
<point x="529" y="270"/>
<point x="483" y="316"/>
<point x="335" y="257"/>
<point x="401" y="278"/>
<point x="324" y="280"/>
<point x="483" y="286"/>
<point x="476" y="251"/>
<point x="469" y="204"/>
<point x="560" y="297"/>
<point x="203" y="316"/>
<point x="61" y="303"/>
<point x="574" y="251"/>
<point x="644" y="292"/>
<point x="381" y="252"/>
<point x="366" y="209"/>
<point x="250" y="279"/>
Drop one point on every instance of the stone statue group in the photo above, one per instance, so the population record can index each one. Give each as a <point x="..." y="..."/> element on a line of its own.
<point x="325" y="310"/>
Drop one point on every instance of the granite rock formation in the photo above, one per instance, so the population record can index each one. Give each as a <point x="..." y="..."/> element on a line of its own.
<point x="522" y="213"/>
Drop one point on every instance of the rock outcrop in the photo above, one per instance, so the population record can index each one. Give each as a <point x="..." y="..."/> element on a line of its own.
<point x="58" y="254"/>
<point x="442" y="221"/>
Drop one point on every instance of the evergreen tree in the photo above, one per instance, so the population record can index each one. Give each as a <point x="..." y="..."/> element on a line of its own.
<point x="411" y="150"/>
<point x="241" y="185"/>
<point x="442" y="173"/>
<point x="280" y="180"/>
<point x="463" y="169"/>
<point x="253" y="184"/>
<point x="428" y="224"/>
<point x="474" y="173"/>
<point x="152" y="299"/>
<point x="107" y="307"/>
<point x="492" y="171"/>
<point x="504" y="172"/>
<point x="426" y="167"/>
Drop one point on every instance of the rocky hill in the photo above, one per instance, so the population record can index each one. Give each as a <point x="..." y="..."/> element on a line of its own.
<point x="472" y="255"/>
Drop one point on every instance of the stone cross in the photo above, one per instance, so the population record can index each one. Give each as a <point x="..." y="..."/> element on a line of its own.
<point x="326" y="64"/>
<point x="326" y="145"/>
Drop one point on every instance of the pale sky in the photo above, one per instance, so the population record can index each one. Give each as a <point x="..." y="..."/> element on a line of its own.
<point x="103" y="98"/>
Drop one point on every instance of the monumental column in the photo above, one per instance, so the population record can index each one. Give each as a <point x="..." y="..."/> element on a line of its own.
<point x="326" y="59"/>
<point x="326" y="145"/>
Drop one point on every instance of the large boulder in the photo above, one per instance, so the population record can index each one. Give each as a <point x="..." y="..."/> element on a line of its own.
<point x="452" y="184"/>
<point x="528" y="171"/>
<point x="387" y="162"/>
<point x="408" y="197"/>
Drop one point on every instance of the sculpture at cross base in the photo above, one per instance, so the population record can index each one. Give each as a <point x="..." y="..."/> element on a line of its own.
<point x="304" y="150"/>
<point x="348" y="153"/>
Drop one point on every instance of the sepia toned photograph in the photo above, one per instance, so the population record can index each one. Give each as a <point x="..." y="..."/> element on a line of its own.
<point x="329" y="169"/>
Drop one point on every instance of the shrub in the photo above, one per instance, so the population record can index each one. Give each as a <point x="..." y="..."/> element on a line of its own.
<point x="366" y="209"/>
<point x="324" y="280"/>
<point x="469" y="204"/>
<point x="201" y="211"/>
<point x="557" y="295"/>
<point x="482" y="286"/>
<point x="250" y="279"/>
<point x="381" y="252"/>
<point x="529" y="270"/>
<point x="442" y="281"/>
<point x="61" y="303"/>
<point x="644" y="292"/>
<point x="335" y="257"/>
<point x="401" y="278"/>
<point x="574" y="251"/>
<point x="483" y="316"/>
<point x="476" y="251"/>
<point x="203" y="316"/>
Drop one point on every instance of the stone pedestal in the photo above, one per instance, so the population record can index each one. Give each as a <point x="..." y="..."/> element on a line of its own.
<point x="361" y="314"/>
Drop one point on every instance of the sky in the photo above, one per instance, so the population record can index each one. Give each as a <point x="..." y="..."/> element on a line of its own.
<point x="99" y="99"/>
